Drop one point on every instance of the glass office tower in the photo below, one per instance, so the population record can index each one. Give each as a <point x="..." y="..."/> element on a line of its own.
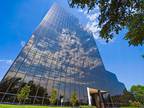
<point x="60" y="55"/>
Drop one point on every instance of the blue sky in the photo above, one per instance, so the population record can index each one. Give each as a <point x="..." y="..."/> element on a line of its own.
<point x="19" y="18"/>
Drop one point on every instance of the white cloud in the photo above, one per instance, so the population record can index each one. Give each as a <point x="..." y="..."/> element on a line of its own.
<point x="92" y="17"/>
<point x="80" y="10"/>
<point x="4" y="66"/>
<point x="92" y="21"/>
<point x="92" y="24"/>
<point x="85" y="12"/>
<point x="23" y="43"/>
<point x="93" y="28"/>
<point x="6" y="61"/>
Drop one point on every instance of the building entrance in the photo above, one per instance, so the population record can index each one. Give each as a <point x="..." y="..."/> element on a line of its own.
<point x="98" y="98"/>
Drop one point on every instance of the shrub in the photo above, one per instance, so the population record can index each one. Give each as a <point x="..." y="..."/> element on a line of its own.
<point x="53" y="97"/>
<point x="23" y="93"/>
<point x="135" y="104"/>
<point x="74" y="99"/>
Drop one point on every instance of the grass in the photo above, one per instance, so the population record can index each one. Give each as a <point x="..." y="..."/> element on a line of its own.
<point x="130" y="107"/>
<point x="26" y="106"/>
<point x="142" y="106"/>
<point x="30" y="106"/>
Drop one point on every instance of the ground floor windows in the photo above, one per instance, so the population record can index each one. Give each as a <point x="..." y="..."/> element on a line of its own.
<point x="41" y="91"/>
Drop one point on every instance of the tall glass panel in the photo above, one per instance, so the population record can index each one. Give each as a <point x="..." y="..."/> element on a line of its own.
<point x="60" y="55"/>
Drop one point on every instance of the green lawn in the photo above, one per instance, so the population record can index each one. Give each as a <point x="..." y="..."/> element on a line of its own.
<point x="130" y="107"/>
<point x="29" y="106"/>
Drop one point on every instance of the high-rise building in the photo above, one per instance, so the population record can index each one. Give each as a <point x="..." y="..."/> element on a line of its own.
<point x="61" y="56"/>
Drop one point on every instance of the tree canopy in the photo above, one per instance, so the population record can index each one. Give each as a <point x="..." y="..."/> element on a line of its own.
<point x="116" y="15"/>
<point x="138" y="91"/>
<point x="23" y="93"/>
<point x="73" y="98"/>
<point x="53" y="97"/>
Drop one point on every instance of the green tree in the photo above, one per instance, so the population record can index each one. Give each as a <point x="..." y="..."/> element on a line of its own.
<point x="116" y="15"/>
<point x="135" y="104"/>
<point x="125" y="99"/>
<point x="53" y="97"/>
<point x="4" y="84"/>
<point x="74" y="99"/>
<point x="138" y="91"/>
<point x="23" y="93"/>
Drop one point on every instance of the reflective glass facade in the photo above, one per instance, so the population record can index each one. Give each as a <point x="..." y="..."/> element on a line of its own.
<point x="62" y="55"/>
